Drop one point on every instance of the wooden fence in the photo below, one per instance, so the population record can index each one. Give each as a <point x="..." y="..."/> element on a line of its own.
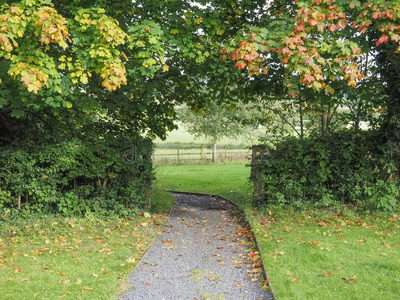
<point x="198" y="155"/>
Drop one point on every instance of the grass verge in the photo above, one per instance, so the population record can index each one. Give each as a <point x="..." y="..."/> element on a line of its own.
<point x="51" y="257"/>
<point x="161" y="202"/>
<point x="313" y="254"/>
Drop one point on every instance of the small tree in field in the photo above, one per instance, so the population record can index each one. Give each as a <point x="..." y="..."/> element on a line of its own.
<point x="215" y="123"/>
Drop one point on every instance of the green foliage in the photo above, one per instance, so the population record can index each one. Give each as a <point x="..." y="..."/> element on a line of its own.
<point x="75" y="177"/>
<point x="334" y="169"/>
<point x="216" y="122"/>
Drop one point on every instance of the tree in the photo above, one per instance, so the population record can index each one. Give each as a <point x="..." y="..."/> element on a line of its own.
<point x="156" y="53"/>
<point x="215" y="123"/>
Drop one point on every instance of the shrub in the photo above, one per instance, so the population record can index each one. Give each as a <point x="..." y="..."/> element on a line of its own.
<point x="338" y="168"/>
<point x="75" y="177"/>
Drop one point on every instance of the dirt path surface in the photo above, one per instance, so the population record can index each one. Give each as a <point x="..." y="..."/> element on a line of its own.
<point x="204" y="253"/>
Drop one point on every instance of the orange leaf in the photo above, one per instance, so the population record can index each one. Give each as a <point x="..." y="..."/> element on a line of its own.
<point x="265" y="282"/>
<point x="312" y="22"/>
<point x="352" y="280"/>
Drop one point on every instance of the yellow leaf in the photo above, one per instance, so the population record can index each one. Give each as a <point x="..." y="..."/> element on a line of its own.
<point x="131" y="260"/>
<point x="199" y="20"/>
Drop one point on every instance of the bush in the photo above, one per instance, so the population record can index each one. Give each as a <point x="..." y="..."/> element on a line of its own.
<point x="335" y="169"/>
<point x="76" y="177"/>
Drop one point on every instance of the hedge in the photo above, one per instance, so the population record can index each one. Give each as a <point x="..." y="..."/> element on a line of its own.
<point x="74" y="177"/>
<point x="340" y="168"/>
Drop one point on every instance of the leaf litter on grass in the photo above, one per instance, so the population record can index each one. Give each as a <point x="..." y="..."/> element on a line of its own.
<point x="62" y="251"/>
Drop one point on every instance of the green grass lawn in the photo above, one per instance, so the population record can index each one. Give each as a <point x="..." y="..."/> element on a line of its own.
<point x="229" y="180"/>
<point x="52" y="257"/>
<point x="336" y="254"/>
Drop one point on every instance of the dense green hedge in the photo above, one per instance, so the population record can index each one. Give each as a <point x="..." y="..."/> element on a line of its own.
<point x="75" y="177"/>
<point x="338" y="168"/>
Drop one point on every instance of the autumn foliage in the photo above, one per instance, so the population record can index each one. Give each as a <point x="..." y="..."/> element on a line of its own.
<point x="322" y="43"/>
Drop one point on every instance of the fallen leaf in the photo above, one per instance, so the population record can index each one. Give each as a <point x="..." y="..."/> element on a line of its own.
<point x="352" y="280"/>
<point x="146" y="215"/>
<point x="239" y="284"/>
<point x="86" y="288"/>
<point x="64" y="281"/>
<point x="322" y="223"/>
<point x="252" y="254"/>
<point x="106" y="250"/>
<point x="265" y="282"/>
<point x="131" y="260"/>
<point x="167" y="241"/>
<point x="147" y="283"/>
<point x="212" y="279"/>
<point x="295" y="280"/>
<point x="326" y="274"/>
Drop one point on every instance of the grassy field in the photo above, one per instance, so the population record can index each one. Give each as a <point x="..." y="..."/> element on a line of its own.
<point x="181" y="136"/>
<point x="193" y="155"/>
<point x="331" y="254"/>
<point x="52" y="257"/>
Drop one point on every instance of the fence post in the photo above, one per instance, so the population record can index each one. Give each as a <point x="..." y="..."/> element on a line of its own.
<point x="225" y="155"/>
<point x="178" y="156"/>
<point x="202" y="153"/>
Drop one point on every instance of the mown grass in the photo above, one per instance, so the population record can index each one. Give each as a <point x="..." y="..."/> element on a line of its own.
<point x="161" y="202"/>
<point x="53" y="257"/>
<point x="309" y="254"/>
<point x="229" y="180"/>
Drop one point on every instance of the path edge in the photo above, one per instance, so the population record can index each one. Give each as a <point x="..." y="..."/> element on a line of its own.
<point x="264" y="267"/>
<point x="120" y="295"/>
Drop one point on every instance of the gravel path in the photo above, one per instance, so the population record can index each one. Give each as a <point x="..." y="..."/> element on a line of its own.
<point x="204" y="253"/>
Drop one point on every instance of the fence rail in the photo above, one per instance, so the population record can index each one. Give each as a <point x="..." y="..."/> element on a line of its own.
<point x="197" y="155"/>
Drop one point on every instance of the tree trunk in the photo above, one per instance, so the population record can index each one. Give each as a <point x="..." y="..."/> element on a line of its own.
<point x="214" y="153"/>
<point x="322" y="124"/>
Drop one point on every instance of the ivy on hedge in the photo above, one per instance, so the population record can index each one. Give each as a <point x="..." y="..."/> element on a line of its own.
<point x="74" y="177"/>
<point x="338" y="168"/>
